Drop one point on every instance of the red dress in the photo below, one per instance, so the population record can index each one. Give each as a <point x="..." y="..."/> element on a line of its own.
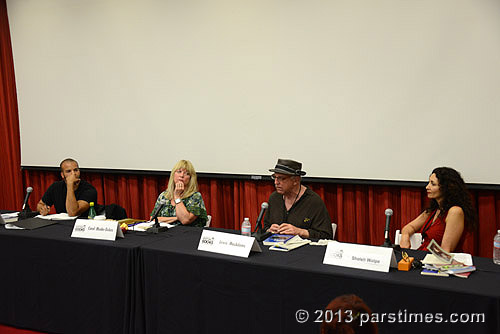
<point x="436" y="232"/>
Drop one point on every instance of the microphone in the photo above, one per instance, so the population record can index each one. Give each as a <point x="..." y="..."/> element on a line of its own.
<point x="259" y="234"/>
<point x="163" y="202"/>
<point x="388" y="215"/>
<point x="26" y="212"/>
<point x="263" y="209"/>
<point x="156" y="227"/>
<point x="28" y="193"/>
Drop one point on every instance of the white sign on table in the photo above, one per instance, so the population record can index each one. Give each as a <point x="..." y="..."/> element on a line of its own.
<point x="360" y="256"/>
<point x="97" y="229"/>
<point x="227" y="243"/>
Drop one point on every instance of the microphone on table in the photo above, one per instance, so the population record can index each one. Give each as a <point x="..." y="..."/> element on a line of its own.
<point x="388" y="215"/>
<point x="258" y="233"/>
<point x="29" y="190"/>
<point x="163" y="202"/>
<point x="156" y="227"/>
<point x="26" y="210"/>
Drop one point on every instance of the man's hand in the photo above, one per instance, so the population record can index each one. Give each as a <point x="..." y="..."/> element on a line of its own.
<point x="274" y="228"/>
<point x="44" y="209"/>
<point x="72" y="180"/>
<point x="288" y="229"/>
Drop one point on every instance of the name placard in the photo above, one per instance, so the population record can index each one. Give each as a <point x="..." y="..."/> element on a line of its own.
<point x="360" y="256"/>
<point x="96" y="229"/>
<point x="227" y="243"/>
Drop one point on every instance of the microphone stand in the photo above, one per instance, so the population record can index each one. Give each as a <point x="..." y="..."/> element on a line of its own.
<point x="156" y="228"/>
<point x="387" y="243"/>
<point x="26" y="213"/>
<point x="259" y="234"/>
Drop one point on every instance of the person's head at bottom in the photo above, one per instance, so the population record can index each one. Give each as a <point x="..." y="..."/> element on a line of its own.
<point x="348" y="314"/>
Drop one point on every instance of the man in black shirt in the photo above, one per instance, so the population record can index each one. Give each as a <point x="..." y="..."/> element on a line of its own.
<point x="71" y="195"/>
<point x="293" y="207"/>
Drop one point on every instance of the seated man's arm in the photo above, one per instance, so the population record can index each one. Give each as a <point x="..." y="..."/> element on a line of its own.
<point x="75" y="207"/>
<point x="321" y="226"/>
<point x="267" y="221"/>
<point x="42" y="208"/>
<point x="286" y="228"/>
<point x="273" y="217"/>
<point x="47" y="200"/>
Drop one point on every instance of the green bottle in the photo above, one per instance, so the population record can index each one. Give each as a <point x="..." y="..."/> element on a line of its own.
<point x="92" y="211"/>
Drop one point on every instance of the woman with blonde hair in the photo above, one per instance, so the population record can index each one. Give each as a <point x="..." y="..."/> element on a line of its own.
<point x="184" y="203"/>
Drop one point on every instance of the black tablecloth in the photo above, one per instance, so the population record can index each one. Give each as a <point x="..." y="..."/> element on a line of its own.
<point x="190" y="291"/>
<point x="54" y="283"/>
<point x="163" y="284"/>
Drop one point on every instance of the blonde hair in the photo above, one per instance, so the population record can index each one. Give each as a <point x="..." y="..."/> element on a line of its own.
<point x="192" y="186"/>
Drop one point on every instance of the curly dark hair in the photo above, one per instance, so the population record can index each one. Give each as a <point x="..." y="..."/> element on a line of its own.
<point x="352" y="308"/>
<point x="454" y="193"/>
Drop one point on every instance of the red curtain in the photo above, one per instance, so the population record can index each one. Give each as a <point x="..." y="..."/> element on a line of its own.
<point x="358" y="210"/>
<point x="11" y="191"/>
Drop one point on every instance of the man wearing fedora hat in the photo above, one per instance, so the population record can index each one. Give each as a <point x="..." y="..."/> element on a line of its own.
<point x="293" y="207"/>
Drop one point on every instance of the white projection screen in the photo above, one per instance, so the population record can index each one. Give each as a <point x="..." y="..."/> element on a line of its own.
<point x="381" y="90"/>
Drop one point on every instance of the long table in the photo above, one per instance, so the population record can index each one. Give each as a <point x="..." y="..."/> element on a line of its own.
<point x="163" y="284"/>
<point x="189" y="291"/>
<point x="54" y="283"/>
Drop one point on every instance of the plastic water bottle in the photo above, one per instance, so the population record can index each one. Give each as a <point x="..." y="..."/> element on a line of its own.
<point x="92" y="213"/>
<point x="496" y="248"/>
<point x="246" y="227"/>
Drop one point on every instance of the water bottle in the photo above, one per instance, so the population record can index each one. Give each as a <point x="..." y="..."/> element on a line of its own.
<point x="496" y="248"/>
<point x="92" y="213"/>
<point x="246" y="227"/>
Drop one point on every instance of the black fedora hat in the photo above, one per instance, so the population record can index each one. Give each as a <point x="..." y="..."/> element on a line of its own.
<point x="288" y="167"/>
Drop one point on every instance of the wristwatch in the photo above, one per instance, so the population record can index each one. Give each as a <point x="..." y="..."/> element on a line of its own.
<point x="177" y="201"/>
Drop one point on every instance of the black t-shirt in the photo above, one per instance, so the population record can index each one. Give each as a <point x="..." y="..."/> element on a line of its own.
<point x="56" y="195"/>
<point x="309" y="213"/>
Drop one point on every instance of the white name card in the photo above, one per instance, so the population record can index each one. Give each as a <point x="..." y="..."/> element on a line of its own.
<point x="227" y="243"/>
<point x="96" y="229"/>
<point x="359" y="256"/>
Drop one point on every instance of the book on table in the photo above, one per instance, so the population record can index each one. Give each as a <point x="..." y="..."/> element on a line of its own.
<point x="275" y="238"/>
<point x="292" y="243"/>
<point x="432" y="272"/>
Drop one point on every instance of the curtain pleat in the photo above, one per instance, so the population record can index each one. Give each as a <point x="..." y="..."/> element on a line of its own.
<point x="358" y="210"/>
<point x="11" y="192"/>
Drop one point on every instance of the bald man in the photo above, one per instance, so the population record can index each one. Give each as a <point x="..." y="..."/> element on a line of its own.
<point x="70" y="195"/>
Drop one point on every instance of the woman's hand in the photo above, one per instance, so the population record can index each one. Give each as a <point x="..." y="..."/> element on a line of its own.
<point x="405" y="241"/>
<point x="179" y="189"/>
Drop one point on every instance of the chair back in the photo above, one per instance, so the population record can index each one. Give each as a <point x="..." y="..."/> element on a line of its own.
<point x="334" y="229"/>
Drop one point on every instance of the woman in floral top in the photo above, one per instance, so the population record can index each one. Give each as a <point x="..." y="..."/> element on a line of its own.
<point x="184" y="203"/>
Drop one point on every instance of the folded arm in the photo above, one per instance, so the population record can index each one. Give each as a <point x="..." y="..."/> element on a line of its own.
<point x="411" y="228"/>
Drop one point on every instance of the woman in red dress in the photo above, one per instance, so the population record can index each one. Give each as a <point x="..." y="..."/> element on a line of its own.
<point x="448" y="216"/>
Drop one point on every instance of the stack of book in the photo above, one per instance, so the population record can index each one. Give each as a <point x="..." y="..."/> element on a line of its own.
<point x="442" y="263"/>
<point x="459" y="270"/>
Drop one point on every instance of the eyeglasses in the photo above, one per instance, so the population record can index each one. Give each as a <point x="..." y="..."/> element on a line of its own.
<point x="280" y="178"/>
